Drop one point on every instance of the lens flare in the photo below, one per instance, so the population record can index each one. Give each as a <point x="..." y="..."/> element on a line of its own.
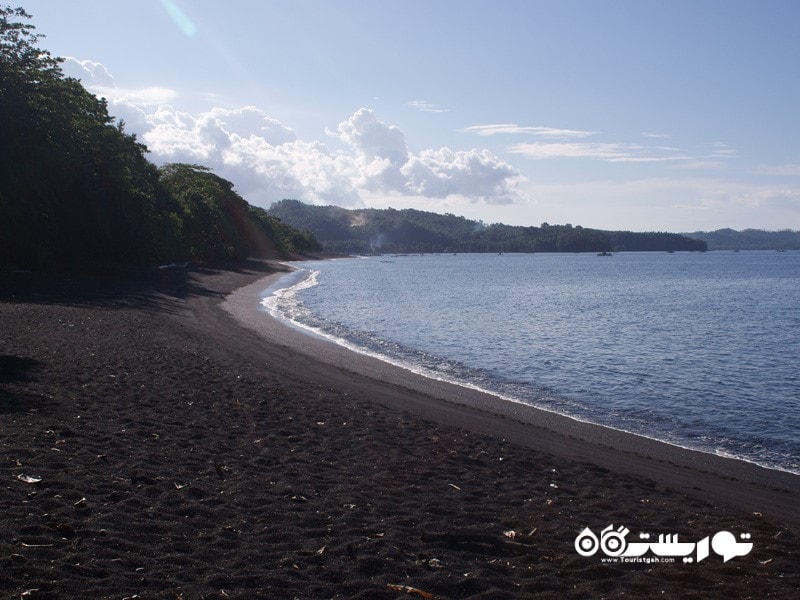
<point x="183" y="22"/>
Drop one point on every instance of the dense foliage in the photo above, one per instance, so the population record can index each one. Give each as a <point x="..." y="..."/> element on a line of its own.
<point x="389" y="230"/>
<point x="218" y="224"/>
<point x="77" y="191"/>
<point x="749" y="239"/>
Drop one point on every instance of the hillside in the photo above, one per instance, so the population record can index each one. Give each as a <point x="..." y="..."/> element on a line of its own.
<point x="749" y="239"/>
<point x="408" y="230"/>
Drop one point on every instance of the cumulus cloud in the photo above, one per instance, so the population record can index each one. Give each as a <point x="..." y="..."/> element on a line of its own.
<point x="386" y="165"/>
<point x="258" y="153"/>
<point x="211" y="133"/>
<point x="267" y="162"/>
<point x="91" y="73"/>
<point x="476" y="174"/>
<point x="96" y="77"/>
<point x="373" y="139"/>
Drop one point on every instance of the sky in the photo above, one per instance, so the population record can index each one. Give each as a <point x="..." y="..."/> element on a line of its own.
<point x="642" y="115"/>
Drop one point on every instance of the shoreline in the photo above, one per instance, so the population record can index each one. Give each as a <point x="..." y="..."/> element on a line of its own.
<point x="152" y="446"/>
<point x="274" y="285"/>
<point x="721" y="478"/>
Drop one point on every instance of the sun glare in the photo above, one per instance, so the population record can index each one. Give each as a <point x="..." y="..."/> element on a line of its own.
<point x="183" y="22"/>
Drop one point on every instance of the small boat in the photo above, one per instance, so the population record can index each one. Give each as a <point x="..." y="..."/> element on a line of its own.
<point x="604" y="254"/>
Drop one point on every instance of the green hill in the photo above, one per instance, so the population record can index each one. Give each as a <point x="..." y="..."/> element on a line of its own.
<point x="399" y="231"/>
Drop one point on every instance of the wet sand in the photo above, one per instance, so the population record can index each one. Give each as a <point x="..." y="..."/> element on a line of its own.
<point x="161" y="438"/>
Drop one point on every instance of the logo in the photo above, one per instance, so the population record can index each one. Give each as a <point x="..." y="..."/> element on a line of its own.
<point x="668" y="548"/>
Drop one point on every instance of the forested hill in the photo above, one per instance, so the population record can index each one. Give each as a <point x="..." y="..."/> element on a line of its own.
<point x="77" y="191"/>
<point x="749" y="239"/>
<point x="399" y="231"/>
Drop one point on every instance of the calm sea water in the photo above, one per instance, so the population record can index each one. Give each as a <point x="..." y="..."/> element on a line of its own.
<point x="699" y="350"/>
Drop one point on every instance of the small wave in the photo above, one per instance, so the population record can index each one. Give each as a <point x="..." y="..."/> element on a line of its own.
<point x="282" y="302"/>
<point x="285" y="303"/>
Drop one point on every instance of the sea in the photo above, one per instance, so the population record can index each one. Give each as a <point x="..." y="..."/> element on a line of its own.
<point x="700" y="350"/>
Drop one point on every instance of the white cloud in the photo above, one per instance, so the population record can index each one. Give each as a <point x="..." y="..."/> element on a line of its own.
<point x="255" y="151"/>
<point x="385" y="164"/>
<point x="373" y="139"/>
<point x="91" y="73"/>
<point x="606" y="151"/>
<point x="476" y="174"/>
<point x="149" y="96"/>
<point x="245" y="122"/>
<point x="96" y="77"/>
<point x="425" y="106"/>
<point x="539" y="131"/>
<point x="611" y="152"/>
<point x="563" y="144"/>
<point x="266" y="161"/>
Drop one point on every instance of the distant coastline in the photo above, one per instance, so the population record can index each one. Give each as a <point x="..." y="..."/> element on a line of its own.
<point x="748" y="239"/>
<point x="371" y="230"/>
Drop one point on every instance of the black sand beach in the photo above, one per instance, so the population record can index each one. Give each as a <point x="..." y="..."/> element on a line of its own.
<point x="160" y="441"/>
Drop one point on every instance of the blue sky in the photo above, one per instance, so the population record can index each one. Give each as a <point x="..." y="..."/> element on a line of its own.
<point x="670" y="115"/>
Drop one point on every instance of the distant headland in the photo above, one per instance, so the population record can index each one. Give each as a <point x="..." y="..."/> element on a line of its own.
<point x="404" y="231"/>
<point x="749" y="239"/>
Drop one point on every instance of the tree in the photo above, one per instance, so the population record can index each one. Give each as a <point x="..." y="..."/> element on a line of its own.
<point x="75" y="189"/>
<point x="219" y="225"/>
<point x="27" y="74"/>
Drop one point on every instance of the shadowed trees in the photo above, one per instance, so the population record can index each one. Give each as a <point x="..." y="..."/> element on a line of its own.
<point x="77" y="191"/>
<point x="218" y="224"/>
<point x="74" y="187"/>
